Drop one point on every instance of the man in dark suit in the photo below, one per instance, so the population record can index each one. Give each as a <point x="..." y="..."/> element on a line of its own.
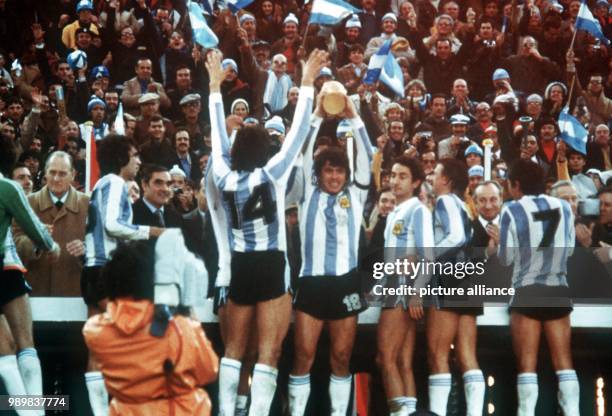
<point x="485" y="238"/>
<point x="198" y="230"/>
<point x="599" y="151"/>
<point x="185" y="158"/>
<point x="153" y="208"/>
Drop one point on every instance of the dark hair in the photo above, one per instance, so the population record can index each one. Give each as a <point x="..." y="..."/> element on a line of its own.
<point x="129" y="272"/>
<point x="383" y="190"/>
<point x="356" y="48"/>
<point x="529" y="176"/>
<point x="148" y="171"/>
<point x="113" y="153"/>
<point x="178" y="130"/>
<point x="447" y="40"/>
<point x="111" y="90"/>
<point x="437" y="95"/>
<point x="155" y="118"/>
<point x="487" y="19"/>
<point x="607" y="189"/>
<point x="251" y="148"/>
<point x="456" y="171"/>
<point x="8" y="156"/>
<point x="13" y="99"/>
<point x="416" y="169"/>
<point x="335" y="156"/>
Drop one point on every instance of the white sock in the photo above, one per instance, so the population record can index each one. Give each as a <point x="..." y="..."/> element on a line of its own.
<point x="474" y="388"/>
<point x="397" y="406"/>
<point x="340" y="394"/>
<point x="13" y="383"/>
<point x="229" y="377"/>
<point x="527" y="387"/>
<point x="439" y="388"/>
<point x="241" y="405"/>
<point x="98" y="396"/>
<point x="263" y="388"/>
<point x="299" y="391"/>
<point x="410" y="403"/>
<point x="29" y="367"/>
<point x="569" y="392"/>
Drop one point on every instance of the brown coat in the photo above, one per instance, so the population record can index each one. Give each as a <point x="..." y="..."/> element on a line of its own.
<point x="348" y="77"/>
<point x="63" y="277"/>
<point x="132" y="92"/>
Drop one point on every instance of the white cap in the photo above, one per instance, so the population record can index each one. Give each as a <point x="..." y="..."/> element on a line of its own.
<point x="291" y="19"/>
<point x="353" y="22"/>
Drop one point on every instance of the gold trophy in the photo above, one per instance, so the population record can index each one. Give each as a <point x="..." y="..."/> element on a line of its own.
<point x="334" y="99"/>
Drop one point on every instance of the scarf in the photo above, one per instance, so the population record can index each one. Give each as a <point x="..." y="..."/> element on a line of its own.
<point x="275" y="94"/>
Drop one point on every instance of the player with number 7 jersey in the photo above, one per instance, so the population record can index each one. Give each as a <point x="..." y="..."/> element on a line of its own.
<point x="537" y="234"/>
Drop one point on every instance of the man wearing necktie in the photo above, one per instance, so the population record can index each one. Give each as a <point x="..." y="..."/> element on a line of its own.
<point x="64" y="210"/>
<point x="153" y="208"/>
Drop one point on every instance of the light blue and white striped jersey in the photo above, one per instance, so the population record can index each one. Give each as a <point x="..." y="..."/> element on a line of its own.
<point x="330" y="224"/>
<point x="220" y="226"/>
<point x="109" y="220"/>
<point x="409" y="226"/>
<point x="537" y="234"/>
<point x="452" y="226"/>
<point x="255" y="201"/>
<point x="11" y="258"/>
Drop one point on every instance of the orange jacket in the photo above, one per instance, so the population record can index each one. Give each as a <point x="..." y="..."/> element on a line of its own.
<point x="132" y="361"/>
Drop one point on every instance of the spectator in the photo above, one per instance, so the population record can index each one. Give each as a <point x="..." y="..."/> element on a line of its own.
<point x="460" y="102"/>
<point x="149" y="108"/>
<point x="352" y="30"/>
<point x="157" y="149"/>
<point x="599" y="154"/>
<point x="65" y="209"/>
<point x="84" y="11"/>
<point x="455" y="145"/>
<point x="278" y="85"/>
<point x="141" y="84"/>
<point x="191" y="108"/>
<point x="436" y="122"/>
<point x="233" y="87"/>
<point x="351" y="74"/>
<point x="531" y="71"/>
<point x="400" y="44"/>
<point x="185" y="158"/>
<point x="288" y="45"/>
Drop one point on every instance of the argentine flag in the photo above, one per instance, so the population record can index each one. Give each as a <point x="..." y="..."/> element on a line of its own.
<point x="330" y="12"/>
<point x="119" y="123"/>
<point x="202" y="34"/>
<point x="383" y="66"/>
<point x="572" y="131"/>
<point x="585" y="21"/>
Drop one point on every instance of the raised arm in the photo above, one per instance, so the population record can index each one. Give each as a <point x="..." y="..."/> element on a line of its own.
<point x="280" y="165"/>
<point x="363" y="173"/>
<point x="220" y="142"/>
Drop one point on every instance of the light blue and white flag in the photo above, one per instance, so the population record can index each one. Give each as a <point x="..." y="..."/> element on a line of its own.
<point x="377" y="61"/>
<point x="236" y="5"/>
<point x="119" y="123"/>
<point x="572" y="132"/>
<point x="383" y="66"/>
<point x="202" y="34"/>
<point x="585" y="21"/>
<point x="392" y="75"/>
<point x="330" y="12"/>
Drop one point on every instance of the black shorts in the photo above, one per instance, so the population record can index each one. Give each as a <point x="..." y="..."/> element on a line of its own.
<point x="219" y="298"/>
<point x="543" y="303"/>
<point x="92" y="286"/>
<point x="459" y="304"/>
<point x="257" y="276"/>
<point x="14" y="285"/>
<point x="330" y="297"/>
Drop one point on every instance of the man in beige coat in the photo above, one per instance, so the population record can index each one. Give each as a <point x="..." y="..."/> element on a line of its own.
<point x="142" y="84"/>
<point x="64" y="210"/>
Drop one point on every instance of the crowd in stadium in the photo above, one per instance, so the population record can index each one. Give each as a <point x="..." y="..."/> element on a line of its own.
<point x="118" y="124"/>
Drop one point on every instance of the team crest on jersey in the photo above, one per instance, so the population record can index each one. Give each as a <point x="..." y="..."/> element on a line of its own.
<point x="344" y="202"/>
<point x="398" y="227"/>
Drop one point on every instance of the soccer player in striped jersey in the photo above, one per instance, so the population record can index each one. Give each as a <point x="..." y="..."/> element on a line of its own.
<point x="109" y="221"/>
<point x="408" y="234"/>
<point x="537" y="235"/>
<point x="329" y="286"/>
<point x="254" y="198"/>
<point x="446" y="324"/>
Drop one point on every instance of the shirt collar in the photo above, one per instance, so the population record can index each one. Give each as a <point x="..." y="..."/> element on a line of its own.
<point x="484" y="222"/>
<point x="152" y="207"/>
<point x="62" y="199"/>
